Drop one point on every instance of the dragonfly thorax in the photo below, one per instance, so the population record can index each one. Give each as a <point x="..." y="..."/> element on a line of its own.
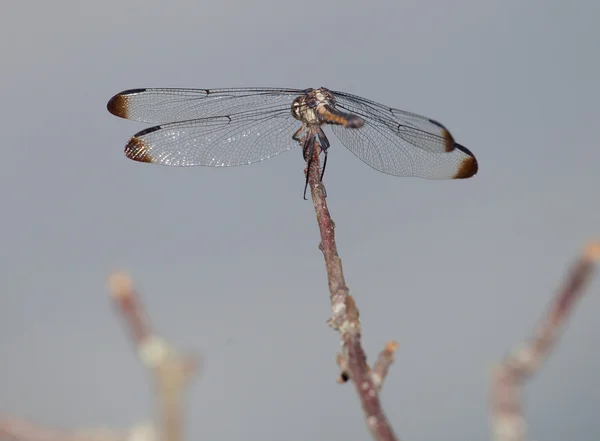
<point x="308" y="107"/>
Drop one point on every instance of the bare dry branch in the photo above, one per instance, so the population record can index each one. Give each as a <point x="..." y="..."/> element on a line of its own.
<point x="20" y="430"/>
<point x="508" y="421"/>
<point x="171" y="374"/>
<point x="171" y="371"/>
<point x="345" y="317"/>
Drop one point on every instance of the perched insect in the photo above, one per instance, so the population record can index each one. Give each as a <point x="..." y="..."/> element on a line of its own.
<point x="227" y="127"/>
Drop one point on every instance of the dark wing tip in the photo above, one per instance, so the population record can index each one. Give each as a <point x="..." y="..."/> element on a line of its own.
<point x="468" y="166"/>
<point x="136" y="150"/>
<point x="118" y="105"/>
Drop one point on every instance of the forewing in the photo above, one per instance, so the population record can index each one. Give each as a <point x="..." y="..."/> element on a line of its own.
<point x="417" y="130"/>
<point x="158" y="106"/>
<point x="216" y="141"/>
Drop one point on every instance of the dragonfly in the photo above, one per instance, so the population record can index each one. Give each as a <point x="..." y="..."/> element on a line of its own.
<point x="237" y="126"/>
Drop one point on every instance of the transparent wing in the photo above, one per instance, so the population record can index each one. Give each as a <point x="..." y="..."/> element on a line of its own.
<point x="220" y="141"/>
<point x="394" y="153"/>
<point x="158" y="106"/>
<point x="416" y="130"/>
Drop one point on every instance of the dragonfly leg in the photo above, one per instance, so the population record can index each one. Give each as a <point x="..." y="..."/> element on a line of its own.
<point x="324" y="165"/>
<point x="323" y="172"/>
<point x="296" y="136"/>
<point x="308" y="151"/>
<point x="323" y="141"/>
<point x="323" y="144"/>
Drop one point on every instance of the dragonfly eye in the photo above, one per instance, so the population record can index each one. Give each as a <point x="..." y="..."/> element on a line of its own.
<point x="296" y="109"/>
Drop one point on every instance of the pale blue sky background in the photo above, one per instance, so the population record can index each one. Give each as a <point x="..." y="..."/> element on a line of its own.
<point x="457" y="272"/>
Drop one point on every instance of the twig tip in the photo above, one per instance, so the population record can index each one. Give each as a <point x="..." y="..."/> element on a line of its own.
<point x="392" y="346"/>
<point x="119" y="284"/>
<point x="592" y="251"/>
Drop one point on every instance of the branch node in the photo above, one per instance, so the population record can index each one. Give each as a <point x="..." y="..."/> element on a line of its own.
<point x="153" y="351"/>
<point x="352" y="310"/>
<point x="342" y="363"/>
<point x="143" y="432"/>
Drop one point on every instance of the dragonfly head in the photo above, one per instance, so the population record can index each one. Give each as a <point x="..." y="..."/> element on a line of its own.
<point x="303" y="109"/>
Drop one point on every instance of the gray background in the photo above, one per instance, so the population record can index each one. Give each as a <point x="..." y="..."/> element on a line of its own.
<point x="227" y="259"/>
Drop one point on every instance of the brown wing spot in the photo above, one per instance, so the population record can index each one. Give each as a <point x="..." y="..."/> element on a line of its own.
<point x="118" y="106"/>
<point x="136" y="149"/>
<point x="467" y="168"/>
<point x="448" y="140"/>
<point x="446" y="136"/>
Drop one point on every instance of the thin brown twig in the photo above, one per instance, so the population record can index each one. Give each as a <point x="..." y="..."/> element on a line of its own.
<point x="508" y="421"/>
<point x="383" y="363"/>
<point x="345" y="317"/>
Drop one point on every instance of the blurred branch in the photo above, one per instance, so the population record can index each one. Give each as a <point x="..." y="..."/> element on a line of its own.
<point x="171" y="372"/>
<point x="20" y="430"/>
<point x="345" y="319"/>
<point x="508" y="421"/>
